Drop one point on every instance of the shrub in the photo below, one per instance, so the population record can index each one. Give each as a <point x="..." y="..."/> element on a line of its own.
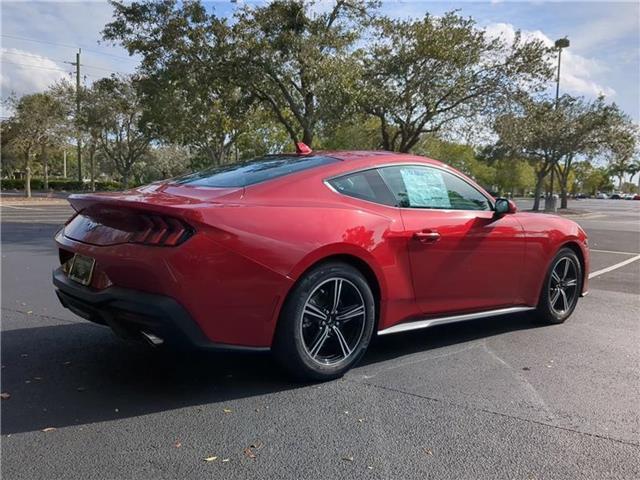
<point x="58" y="185"/>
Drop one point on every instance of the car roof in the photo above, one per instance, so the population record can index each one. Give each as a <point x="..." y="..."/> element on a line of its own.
<point x="376" y="155"/>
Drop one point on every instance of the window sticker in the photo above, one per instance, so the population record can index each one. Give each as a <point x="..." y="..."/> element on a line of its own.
<point x="425" y="188"/>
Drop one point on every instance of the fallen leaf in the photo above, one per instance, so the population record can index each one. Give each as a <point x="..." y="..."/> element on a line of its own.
<point x="249" y="453"/>
<point x="369" y="467"/>
<point x="210" y="459"/>
<point x="5" y="396"/>
<point x="360" y="420"/>
<point x="257" y="445"/>
<point x="29" y="312"/>
<point x="178" y="445"/>
<point x="226" y="459"/>
<point x="526" y="369"/>
<point x="227" y="410"/>
<point x="348" y="458"/>
<point x="428" y="451"/>
<point x="49" y="429"/>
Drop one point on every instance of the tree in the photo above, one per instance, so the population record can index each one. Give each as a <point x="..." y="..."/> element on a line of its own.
<point x="34" y="127"/>
<point x="299" y="65"/>
<point x="554" y="135"/>
<point x="123" y="139"/>
<point x="632" y="170"/>
<point x="589" y="128"/>
<point x="186" y="89"/>
<point x="622" y="145"/>
<point x="420" y="75"/>
<point x="590" y="179"/>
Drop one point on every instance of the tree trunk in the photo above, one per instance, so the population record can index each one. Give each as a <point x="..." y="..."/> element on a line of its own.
<point x="538" y="190"/>
<point x="27" y="174"/>
<point x="45" y="165"/>
<point x="125" y="179"/>
<point x="92" y="166"/>
<point x="307" y="136"/>
<point x="563" y="200"/>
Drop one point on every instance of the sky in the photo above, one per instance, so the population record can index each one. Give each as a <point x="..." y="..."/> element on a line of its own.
<point x="38" y="39"/>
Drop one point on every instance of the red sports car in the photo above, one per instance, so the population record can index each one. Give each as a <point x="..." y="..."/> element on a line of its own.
<point x="311" y="254"/>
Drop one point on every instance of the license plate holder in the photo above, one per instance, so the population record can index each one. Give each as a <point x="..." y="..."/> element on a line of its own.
<point x="81" y="269"/>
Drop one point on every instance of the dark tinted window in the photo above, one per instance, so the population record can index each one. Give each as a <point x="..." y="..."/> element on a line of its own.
<point x="366" y="185"/>
<point x="253" y="171"/>
<point x="425" y="187"/>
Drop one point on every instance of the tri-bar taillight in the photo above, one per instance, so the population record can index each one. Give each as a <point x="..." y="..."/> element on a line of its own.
<point x="161" y="231"/>
<point x="101" y="225"/>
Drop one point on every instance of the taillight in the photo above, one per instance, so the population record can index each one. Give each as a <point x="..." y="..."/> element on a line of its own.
<point x="161" y="231"/>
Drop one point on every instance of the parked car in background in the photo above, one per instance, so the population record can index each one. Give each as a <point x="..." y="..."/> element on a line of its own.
<point x="615" y="196"/>
<point x="636" y="197"/>
<point x="602" y="196"/>
<point x="628" y="196"/>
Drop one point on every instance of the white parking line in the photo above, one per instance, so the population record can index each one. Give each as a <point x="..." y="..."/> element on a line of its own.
<point x="614" y="251"/>
<point x="614" y="267"/>
<point x="22" y="208"/>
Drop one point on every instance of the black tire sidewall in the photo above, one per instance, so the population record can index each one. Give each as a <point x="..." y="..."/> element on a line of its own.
<point x="544" y="310"/>
<point x="288" y="345"/>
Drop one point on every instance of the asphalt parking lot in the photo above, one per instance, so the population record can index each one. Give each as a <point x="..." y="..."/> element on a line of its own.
<point x="493" y="398"/>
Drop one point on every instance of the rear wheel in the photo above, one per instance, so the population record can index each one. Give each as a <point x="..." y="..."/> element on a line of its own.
<point x="561" y="288"/>
<point x="326" y="323"/>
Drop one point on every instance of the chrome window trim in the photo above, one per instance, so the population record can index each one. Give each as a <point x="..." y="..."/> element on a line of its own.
<point x="443" y="168"/>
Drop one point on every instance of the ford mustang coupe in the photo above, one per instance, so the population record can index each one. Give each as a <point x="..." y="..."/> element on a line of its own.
<point x="310" y="255"/>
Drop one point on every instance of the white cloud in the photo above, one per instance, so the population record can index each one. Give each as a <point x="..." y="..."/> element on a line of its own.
<point x="576" y="71"/>
<point x="26" y="72"/>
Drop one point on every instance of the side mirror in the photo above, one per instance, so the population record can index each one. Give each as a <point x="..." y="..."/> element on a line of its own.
<point x="504" y="206"/>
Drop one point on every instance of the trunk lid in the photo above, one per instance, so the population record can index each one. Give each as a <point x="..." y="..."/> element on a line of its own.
<point x="157" y="214"/>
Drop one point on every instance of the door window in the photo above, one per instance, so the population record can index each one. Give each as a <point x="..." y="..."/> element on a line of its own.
<point x="426" y="187"/>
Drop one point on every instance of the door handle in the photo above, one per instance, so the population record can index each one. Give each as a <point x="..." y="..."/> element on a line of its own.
<point x="427" y="236"/>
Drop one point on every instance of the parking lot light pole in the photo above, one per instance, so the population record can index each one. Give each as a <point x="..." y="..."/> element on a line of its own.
<point x="550" y="204"/>
<point x="560" y="44"/>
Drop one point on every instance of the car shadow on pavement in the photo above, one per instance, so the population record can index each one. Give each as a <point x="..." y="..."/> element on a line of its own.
<point x="79" y="373"/>
<point x="388" y="347"/>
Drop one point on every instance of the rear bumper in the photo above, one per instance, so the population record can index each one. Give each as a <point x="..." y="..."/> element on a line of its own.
<point x="129" y="313"/>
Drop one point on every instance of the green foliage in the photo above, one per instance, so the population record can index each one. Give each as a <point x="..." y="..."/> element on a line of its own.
<point x="420" y="75"/>
<point x="297" y="64"/>
<point x="553" y="135"/>
<point x="58" y="185"/>
<point x="360" y="132"/>
<point x="459" y="156"/>
<point x="590" y="179"/>
<point x="116" y="118"/>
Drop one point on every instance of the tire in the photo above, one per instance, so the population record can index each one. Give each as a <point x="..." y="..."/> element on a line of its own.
<point x="559" y="295"/>
<point x="317" y="339"/>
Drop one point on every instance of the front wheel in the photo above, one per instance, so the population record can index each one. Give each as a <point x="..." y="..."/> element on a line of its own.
<point x="326" y="323"/>
<point x="561" y="288"/>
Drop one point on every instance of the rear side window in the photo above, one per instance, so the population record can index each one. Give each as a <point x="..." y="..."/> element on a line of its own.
<point x="425" y="187"/>
<point x="366" y="185"/>
<point x="253" y="171"/>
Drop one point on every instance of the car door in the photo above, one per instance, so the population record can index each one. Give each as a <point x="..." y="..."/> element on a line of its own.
<point x="462" y="256"/>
